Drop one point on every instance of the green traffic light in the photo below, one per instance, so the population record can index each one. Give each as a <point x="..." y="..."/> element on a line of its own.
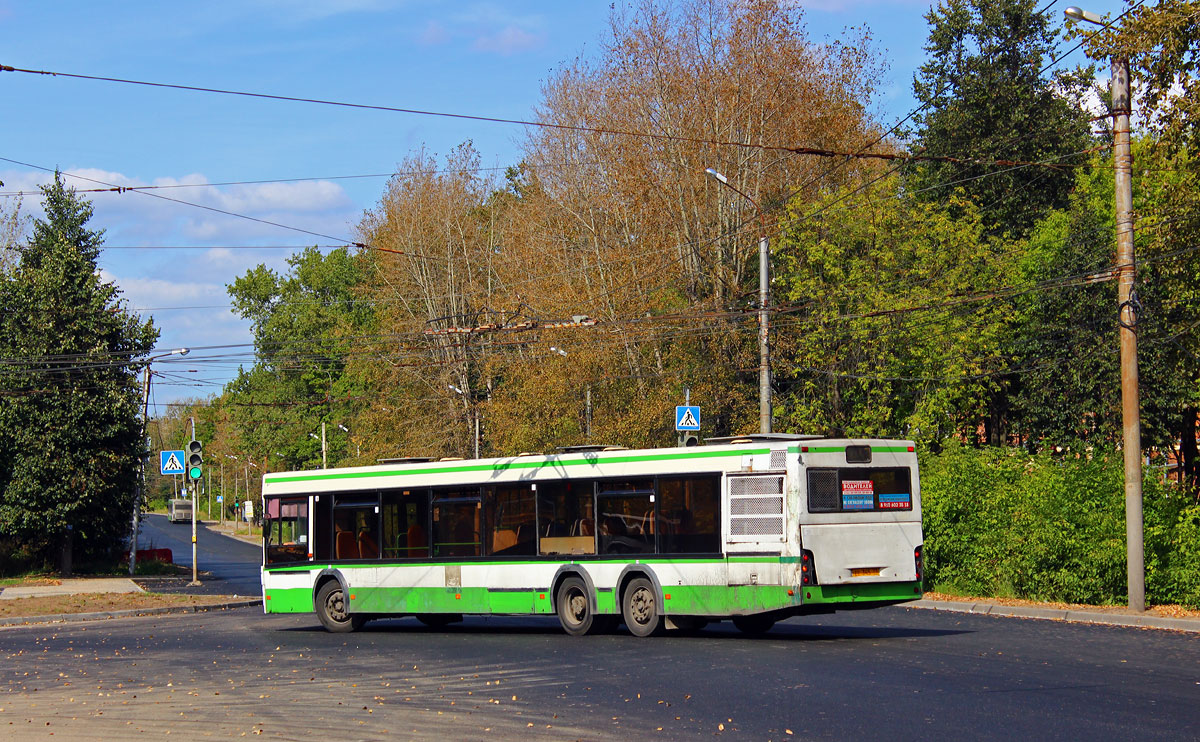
<point x="194" y="472"/>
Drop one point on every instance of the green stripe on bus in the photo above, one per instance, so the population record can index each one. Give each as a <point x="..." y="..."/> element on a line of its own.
<point x="507" y="465"/>
<point x="289" y="600"/>
<point x="654" y="560"/>
<point x="865" y="592"/>
<point x="842" y="449"/>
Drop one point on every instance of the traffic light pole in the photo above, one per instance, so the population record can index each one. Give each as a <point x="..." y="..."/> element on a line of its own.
<point x="195" y="504"/>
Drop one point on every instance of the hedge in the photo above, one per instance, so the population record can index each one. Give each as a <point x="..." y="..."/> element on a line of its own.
<point x="1002" y="522"/>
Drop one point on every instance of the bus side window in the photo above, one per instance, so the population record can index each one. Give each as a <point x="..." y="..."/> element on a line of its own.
<point x="689" y="515"/>
<point x="565" y="518"/>
<point x="456" y="521"/>
<point x="405" y="517"/>
<point x="356" y="526"/>
<point x="511" y="510"/>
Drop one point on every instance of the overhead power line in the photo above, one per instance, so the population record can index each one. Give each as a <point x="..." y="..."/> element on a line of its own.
<point x="794" y="149"/>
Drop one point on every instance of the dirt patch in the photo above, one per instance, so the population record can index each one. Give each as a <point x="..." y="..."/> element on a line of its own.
<point x="1162" y="611"/>
<point x="52" y="605"/>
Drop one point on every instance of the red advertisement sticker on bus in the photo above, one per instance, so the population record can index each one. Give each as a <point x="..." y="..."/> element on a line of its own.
<point x="858" y="487"/>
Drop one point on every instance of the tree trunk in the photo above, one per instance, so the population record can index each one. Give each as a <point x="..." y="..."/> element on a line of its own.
<point x="64" y="557"/>
<point x="1188" y="463"/>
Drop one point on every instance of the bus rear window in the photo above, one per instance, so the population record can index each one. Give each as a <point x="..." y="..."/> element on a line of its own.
<point x="850" y="490"/>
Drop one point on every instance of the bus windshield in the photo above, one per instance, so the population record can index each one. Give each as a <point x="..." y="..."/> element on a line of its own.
<point x="286" y="529"/>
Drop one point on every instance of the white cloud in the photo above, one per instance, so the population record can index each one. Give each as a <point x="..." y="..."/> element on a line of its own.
<point x="487" y="27"/>
<point x="508" y="40"/>
<point x="434" y="34"/>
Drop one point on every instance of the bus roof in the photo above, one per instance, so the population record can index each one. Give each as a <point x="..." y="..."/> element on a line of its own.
<point x="751" y="455"/>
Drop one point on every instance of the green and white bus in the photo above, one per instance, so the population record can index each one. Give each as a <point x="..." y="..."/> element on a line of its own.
<point x="753" y="529"/>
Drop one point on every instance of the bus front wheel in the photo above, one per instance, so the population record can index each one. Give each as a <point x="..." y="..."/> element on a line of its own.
<point x="639" y="608"/>
<point x="332" y="609"/>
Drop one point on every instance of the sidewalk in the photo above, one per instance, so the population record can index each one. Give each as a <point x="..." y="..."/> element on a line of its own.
<point x="1106" y="617"/>
<point x="77" y="586"/>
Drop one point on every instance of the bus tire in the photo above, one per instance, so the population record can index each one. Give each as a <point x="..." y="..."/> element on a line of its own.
<point x="331" y="609"/>
<point x="755" y="624"/>
<point x="574" y="608"/>
<point x="639" y="608"/>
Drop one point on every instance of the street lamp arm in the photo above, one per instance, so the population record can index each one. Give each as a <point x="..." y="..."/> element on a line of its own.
<point x="762" y="222"/>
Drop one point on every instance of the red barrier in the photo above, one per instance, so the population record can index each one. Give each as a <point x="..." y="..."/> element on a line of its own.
<point x="151" y="555"/>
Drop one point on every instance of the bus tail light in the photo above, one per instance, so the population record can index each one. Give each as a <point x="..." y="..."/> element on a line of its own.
<point x="920" y="563"/>
<point x="808" y="573"/>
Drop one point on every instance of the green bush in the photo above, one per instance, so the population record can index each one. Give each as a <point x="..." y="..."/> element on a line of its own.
<point x="1001" y="522"/>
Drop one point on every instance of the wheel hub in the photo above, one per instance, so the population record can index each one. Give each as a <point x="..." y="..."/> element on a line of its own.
<point x="642" y="603"/>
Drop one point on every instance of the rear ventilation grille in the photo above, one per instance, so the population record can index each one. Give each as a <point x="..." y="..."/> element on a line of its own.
<point x="756" y="508"/>
<point x="823" y="495"/>
<point x="779" y="459"/>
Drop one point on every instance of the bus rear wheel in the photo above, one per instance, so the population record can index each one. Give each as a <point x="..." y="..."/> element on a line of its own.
<point x="574" y="608"/>
<point x="639" y="608"/>
<point x="331" y="609"/>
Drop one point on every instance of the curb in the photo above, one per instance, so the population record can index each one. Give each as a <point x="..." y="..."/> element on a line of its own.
<point x="100" y="615"/>
<point x="1059" y="614"/>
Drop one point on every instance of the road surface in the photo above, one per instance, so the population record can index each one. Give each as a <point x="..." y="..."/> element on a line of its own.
<point x="894" y="673"/>
<point x="233" y="564"/>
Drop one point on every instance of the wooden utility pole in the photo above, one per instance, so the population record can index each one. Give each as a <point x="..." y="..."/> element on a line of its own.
<point x="1127" y="317"/>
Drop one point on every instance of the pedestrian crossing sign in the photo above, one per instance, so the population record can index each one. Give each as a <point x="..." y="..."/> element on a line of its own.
<point x="687" y="417"/>
<point x="170" y="462"/>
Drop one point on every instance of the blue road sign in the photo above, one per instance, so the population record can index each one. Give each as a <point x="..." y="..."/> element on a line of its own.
<point x="687" y="417"/>
<point x="170" y="462"/>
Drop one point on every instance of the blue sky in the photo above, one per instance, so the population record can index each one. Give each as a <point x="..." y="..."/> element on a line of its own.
<point x="483" y="58"/>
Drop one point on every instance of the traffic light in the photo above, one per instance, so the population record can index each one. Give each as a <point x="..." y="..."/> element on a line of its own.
<point x="195" y="459"/>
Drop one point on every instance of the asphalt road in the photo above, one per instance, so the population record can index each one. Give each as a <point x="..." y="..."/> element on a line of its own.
<point x="896" y="673"/>
<point x="233" y="564"/>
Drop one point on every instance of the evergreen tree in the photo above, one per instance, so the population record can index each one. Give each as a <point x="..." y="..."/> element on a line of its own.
<point x="70" y="440"/>
<point x="987" y="97"/>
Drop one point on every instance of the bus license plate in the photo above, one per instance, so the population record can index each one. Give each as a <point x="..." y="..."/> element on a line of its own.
<point x="865" y="572"/>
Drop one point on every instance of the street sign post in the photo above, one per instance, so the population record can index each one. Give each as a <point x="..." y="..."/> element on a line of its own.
<point x="687" y="417"/>
<point x="170" y="462"/>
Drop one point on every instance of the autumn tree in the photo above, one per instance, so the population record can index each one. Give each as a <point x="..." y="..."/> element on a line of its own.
<point x="643" y="240"/>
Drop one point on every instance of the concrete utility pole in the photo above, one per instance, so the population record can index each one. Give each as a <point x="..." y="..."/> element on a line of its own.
<point x="1128" y="308"/>
<point x="141" y="485"/>
<point x="764" y="300"/>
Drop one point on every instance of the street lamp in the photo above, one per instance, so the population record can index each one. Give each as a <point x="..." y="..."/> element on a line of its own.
<point x="137" y="500"/>
<point x="322" y="439"/>
<point x="764" y="351"/>
<point x="1127" y="317"/>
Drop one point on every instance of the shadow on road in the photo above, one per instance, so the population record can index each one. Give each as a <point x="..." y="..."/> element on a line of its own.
<point x="724" y="630"/>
